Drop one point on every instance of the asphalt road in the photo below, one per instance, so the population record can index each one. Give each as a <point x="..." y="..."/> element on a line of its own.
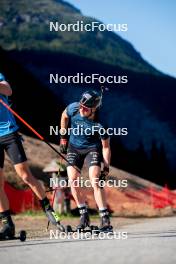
<point x="153" y="241"/>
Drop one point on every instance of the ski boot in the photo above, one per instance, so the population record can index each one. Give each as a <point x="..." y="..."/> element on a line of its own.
<point x="105" y="225"/>
<point x="84" y="219"/>
<point x="51" y="215"/>
<point x="8" y="229"/>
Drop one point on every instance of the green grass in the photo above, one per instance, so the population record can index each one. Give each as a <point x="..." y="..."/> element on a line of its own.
<point x="40" y="213"/>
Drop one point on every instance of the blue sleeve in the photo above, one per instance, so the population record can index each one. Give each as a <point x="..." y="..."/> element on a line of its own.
<point x="72" y="109"/>
<point x="2" y="78"/>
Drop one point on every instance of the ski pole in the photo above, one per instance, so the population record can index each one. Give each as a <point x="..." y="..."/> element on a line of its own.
<point x="36" y="133"/>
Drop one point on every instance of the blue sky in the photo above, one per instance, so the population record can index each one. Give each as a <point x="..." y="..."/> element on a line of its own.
<point x="151" y="26"/>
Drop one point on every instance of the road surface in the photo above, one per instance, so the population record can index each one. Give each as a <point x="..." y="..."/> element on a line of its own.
<point x="152" y="241"/>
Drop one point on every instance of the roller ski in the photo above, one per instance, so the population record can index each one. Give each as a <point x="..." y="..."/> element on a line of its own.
<point x="90" y="229"/>
<point x="51" y="215"/>
<point x="84" y="225"/>
<point x="7" y="232"/>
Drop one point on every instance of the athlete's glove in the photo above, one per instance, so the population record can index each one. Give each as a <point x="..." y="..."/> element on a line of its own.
<point x="63" y="141"/>
<point x="63" y="145"/>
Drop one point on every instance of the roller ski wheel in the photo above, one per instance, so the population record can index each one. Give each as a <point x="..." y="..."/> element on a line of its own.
<point x="95" y="229"/>
<point x="90" y="229"/>
<point x="84" y="229"/>
<point x="21" y="237"/>
<point x="68" y="229"/>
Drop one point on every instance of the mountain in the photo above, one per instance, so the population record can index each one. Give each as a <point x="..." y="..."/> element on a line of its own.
<point x="22" y="22"/>
<point x="145" y="105"/>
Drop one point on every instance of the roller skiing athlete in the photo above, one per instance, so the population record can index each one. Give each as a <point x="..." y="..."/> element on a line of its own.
<point x="92" y="147"/>
<point x="11" y="143"/>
